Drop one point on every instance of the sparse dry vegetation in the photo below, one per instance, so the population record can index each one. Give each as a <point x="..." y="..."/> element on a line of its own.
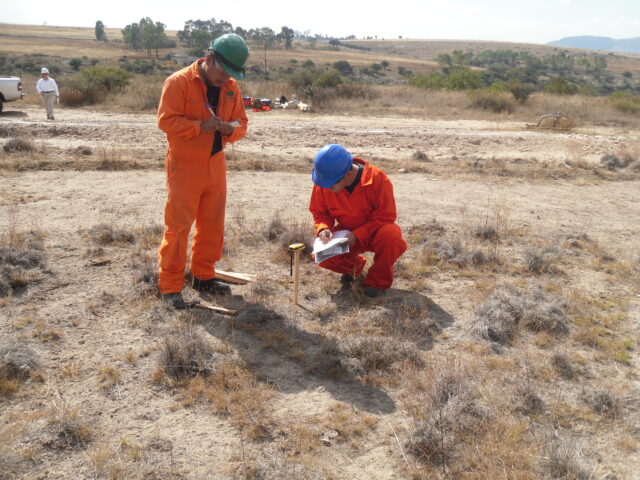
<point x="505" y="349"/>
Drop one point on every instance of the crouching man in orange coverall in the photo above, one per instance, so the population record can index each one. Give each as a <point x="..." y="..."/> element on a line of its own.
<point x="350" y="194"/>
<point x="201" y="111"/>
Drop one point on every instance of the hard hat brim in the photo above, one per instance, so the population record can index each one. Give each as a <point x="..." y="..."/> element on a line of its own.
<point x="330" y="182"/>
<point x="235" y="74"/>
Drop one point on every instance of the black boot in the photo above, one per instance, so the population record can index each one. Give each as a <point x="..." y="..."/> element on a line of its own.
<point x="176" y="301"/>
<point x="213" y="286"/>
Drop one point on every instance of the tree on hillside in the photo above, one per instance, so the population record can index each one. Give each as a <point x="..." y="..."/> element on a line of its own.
<point x="286" y="35"/>
<point x="132" y="36"/>
<point x="153" y="36"/>
<point x="198" y="34"/>
<point x="100" y="35"/>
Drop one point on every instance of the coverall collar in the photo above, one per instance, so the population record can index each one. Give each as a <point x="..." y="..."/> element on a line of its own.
<point x="367" y="173"/>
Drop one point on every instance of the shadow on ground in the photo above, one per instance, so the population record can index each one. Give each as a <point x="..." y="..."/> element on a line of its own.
<point x="281" y="353"/>
<point x="12" y="114"/>
<point x="402" y="313"/>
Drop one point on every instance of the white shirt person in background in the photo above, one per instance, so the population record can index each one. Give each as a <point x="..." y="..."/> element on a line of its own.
<point x="48" y="90"/>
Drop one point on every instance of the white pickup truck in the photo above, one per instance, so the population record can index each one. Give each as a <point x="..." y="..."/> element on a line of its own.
<point x="10" y="89"/>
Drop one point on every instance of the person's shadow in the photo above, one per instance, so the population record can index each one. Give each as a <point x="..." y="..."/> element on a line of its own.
<point x="12" y="114"/>
<point x="402" y="313"/>
<point x="279" y="352"/>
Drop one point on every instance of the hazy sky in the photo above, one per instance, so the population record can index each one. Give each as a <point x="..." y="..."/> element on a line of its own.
<point x="535" y="21"/>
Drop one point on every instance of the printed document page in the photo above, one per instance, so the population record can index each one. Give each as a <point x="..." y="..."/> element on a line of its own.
<point x="336" y="246"/>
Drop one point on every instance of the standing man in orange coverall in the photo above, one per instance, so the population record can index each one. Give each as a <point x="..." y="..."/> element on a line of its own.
<point x="350" y="194"/>
<point x="201" y="111"/>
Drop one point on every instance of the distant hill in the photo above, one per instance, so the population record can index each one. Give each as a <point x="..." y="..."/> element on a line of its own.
<point x="607" y="44"/>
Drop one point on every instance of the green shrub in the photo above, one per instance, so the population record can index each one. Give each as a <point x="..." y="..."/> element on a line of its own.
<point x="356" y="90"/>
<point x="433" y="81"/>
<point x="561" y="86"/>
<point x="343" y="67"/>
<point x="308" y="64"/>
<point x="91" y="85"/>
<point x="112" y="79"/>
<point x="75" y="63"/>
<point x="463" y="80"/>
<point x="404" y="71"/>
<point x="492" y="100"/>
<point x="520" y="90"/>
<point x="626" y="102"/>
<point x="328" y="80"/>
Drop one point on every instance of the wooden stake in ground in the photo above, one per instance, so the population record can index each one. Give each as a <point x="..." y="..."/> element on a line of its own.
<point x="295" y="249"/>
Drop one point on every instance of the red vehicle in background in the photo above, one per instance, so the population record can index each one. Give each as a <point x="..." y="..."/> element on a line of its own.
<point x="247" y="102"/>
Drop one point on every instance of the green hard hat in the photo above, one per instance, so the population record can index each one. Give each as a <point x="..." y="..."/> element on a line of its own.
<point x="231" y="52"/>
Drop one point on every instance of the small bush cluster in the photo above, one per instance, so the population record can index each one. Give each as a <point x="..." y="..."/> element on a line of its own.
<point x="145" y="268"/>
<point x="18" y="145"/>
<point x="68" y="430"/>
<point x="18" y="362"/>
<point x="565" y="460"/>
<point x="378" y="353"/>
<point x="613" y="162"/>
<point x="105" y="234"/>
<point x="287" y="232"/>
<point x="626" y="102"/>
<point x="540" y="260"/>
<point x="491" y="100"/>
<point x="21" y="263"/>
<point x="452" y="413"/>
<point x="186" y="354"/>
<point x="91" y="85"/>
<point x="498" y="317"/>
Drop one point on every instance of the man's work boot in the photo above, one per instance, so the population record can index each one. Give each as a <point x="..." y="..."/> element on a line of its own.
<point x="213" y="286"/>
<point x="373" y="292"/>
<point x="176" y="301"/>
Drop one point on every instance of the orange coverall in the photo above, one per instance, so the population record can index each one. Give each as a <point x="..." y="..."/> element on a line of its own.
<point x="196" y="180"/>
<point x="369" y="212"/>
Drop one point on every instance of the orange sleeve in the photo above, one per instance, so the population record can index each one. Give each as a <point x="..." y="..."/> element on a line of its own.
<point x="238" y="113"/>
<point x="384" y="209"/>
<point x="171" y="111"/>
<point x="317" y="206"/>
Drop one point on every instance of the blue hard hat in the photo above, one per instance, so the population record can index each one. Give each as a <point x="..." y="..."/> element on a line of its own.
<point x="330" y="164"/>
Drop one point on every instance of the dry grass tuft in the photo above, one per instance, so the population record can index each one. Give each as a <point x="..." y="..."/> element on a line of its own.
<point x="286" y="232"/>
<point x="486" y="232"/>
<point x="565" y="460"/>
<point x="18" y="145"/>
<point x="186" y="354"/>
<point x="18" y="362"/>
<point x="530" y="401"/>
<point x="563" y="365"/>
<point x="22" y="260"/>
<point x="104" y="234"/>
<point x="605" y="402"/>
<point x="145" y="273"/>
<point x="370" y="354"/>
<point x="68" y="429"/>
<point x="149" y="236"/>
<point x="451" y="412"/>
<point x="109" y="377"/>
<point x="540" y="260"/>
<point x="499" y="315"/>
<point x="407" y="322"/>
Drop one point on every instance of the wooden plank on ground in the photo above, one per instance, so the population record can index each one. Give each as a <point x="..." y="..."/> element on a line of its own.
<point x="215" y="308"/>
<point x="233" y="277"/>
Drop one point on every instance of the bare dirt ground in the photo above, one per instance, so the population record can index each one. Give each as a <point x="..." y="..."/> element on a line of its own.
<point x="99" y="338"/>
